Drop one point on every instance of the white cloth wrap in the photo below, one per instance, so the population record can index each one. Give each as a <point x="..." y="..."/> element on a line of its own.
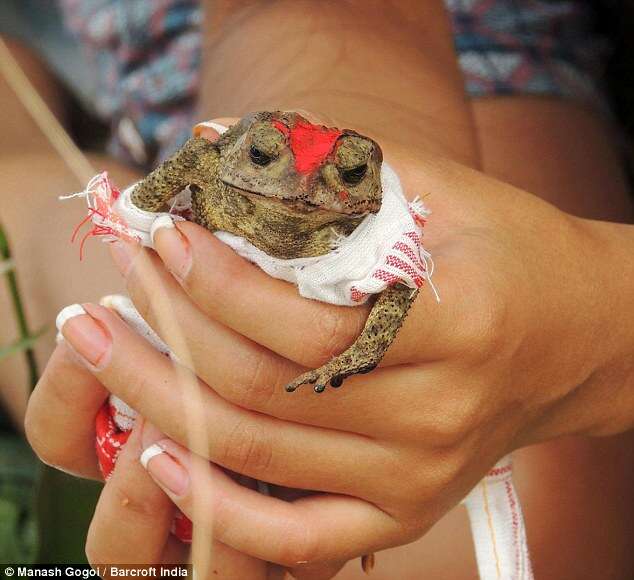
<point x="350" y="270"/>
<point x="384" y="247"/>
<point x="497" y="526"/>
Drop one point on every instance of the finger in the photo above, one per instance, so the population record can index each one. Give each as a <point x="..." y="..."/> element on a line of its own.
<point x="311" y="530"/>
<point x="257" y="381"/>
<point x="209" y="130"/>
<point x="209" y="557"/>
<point x="60" y="418"/>
<point x="313" y="331"/>
<point x="249" y="443"/>
<point x="272" y="313"/>
<point x="133" y="517"/>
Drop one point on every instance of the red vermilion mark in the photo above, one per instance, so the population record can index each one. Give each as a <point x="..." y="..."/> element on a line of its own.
<point x="343" y="195"/>
<point x="310" y="144"/>
<point x="281" y="128"/>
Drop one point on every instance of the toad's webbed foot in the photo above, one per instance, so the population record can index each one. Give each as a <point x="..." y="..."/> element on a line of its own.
<point x="384" y="322"/>
<point x="333" y="372"/>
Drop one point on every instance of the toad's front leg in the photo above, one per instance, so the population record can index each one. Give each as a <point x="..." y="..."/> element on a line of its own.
<point x="381" y="327"/>
<point x="193" y="164"/>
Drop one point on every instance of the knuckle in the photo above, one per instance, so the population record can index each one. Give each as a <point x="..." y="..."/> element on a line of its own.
<point x="141" y="302"/>
<point x="46" y="453"/>
<point x="459" y="415"/>
<point x="93" y="550"/>
<point x="100" y="549"/>
<point x="248" y="450"/>
<point x="332" y="335"/>
<point x="457" y="423"/>
<point x="438" y="475"/>
<point x="137" y="390"/>
<point x="59" y="449"/>
<point x="134" y="391"/>
<point x="95" y="547"/>
<point x="230" y="271"/>
<point x="261" y="374"/>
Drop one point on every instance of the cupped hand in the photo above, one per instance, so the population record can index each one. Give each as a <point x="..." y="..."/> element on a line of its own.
<point x="133" y="517"/>
<point x="494" y="366"/>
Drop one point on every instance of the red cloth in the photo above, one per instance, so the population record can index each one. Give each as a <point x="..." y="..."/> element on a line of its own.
<point x="109" y="443"/>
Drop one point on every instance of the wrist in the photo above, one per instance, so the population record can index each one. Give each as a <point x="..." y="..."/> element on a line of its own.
<point x="604" y="403"/>
<point x="614" y="380"/>
<point x="591" y="388"/>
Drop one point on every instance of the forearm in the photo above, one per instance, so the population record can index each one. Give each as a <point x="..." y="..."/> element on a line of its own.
<point x="612" y="278"/>
<point x="600" y="345"/>
<point x="387" y="69"/>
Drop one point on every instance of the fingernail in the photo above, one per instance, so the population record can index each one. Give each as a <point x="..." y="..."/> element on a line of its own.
<point x="150" y="434"/>
<point x="203" y="130"/>
<point x="84" y="334"/>
<point x="165" y="470"/>
<point x="172" y="246"/>
<point x="123" y="254"/>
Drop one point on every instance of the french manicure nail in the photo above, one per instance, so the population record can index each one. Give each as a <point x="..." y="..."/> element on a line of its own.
<point x="84" y="334"/>
<point x="200" y="130"/>
<point x="150" y="452"/>
<point x="123" y="254"/>
<point x="165" y="470"/>
<point x="172" y="246"/>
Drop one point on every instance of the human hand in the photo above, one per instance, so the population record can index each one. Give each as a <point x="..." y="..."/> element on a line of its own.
<point x="133" y="517"/>
<point x="465" y="382"/>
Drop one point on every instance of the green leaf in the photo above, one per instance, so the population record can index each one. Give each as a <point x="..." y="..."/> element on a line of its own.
<point x="18" y="308"/>
<point x="22" y="343"/>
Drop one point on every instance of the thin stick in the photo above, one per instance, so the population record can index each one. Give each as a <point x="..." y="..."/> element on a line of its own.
<point x="76" y="161"/>
<point x="18" y="309"/>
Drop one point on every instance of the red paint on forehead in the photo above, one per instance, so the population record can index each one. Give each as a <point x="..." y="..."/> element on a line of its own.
<point x="281" y="128"/>
<point x="310" y="144"/>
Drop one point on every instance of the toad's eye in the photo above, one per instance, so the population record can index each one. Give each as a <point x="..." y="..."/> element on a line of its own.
<point x="355" y="175"/>
<point x="259" y="157"/>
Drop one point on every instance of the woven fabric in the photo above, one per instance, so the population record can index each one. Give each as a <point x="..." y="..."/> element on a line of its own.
<point x="536" y="47"/>
<point x="497" y="525"/>
<point x="385" y="249"/>
<point x="147" y="58"/>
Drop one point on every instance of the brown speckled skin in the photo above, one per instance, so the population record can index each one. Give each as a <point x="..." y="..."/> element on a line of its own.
<point x="284" y="213"/>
